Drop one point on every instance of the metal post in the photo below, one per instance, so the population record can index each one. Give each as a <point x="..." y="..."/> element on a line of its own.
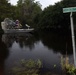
<point x="73" y="38"/>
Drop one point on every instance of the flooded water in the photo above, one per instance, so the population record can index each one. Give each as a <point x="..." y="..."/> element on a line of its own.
<point x="48" y="47"/>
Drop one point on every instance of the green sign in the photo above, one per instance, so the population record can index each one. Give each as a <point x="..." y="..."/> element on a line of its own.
<point x="70" y="9"/>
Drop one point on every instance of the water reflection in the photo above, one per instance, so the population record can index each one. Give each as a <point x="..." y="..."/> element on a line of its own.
<point x="3" y="55"/>
<point x="25" y="39"/>
<point x="54" y="41"/>
<point x="48" y="47"/>
<point x="57" y="42"/>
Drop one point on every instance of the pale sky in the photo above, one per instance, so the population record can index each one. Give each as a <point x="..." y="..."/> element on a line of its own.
<point x="44" y="3"/>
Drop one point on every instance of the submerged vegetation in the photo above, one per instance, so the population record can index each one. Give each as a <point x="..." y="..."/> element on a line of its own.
<point x="34" y="67"/>
<point x="27" y="67"/>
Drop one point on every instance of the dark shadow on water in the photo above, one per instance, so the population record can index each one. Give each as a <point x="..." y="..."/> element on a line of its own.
<point x="3" y="55"/>
<point x="57" y="41"/>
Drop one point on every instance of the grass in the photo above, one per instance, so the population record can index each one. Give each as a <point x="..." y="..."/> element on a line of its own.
<point x="68" y="68"/>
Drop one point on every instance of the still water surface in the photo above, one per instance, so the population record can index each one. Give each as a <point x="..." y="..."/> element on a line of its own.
<point x="48" y="47"/>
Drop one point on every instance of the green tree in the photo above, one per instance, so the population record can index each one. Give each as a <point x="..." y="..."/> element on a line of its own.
<point x="53" y="16"/>
<point x="4" y="9"/>
<point x="28" y="11"/>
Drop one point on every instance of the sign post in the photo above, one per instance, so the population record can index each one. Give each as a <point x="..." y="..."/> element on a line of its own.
<point x="66" y="10"/>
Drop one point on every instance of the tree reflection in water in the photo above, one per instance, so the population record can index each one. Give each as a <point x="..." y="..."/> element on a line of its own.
<point x="45" y="47"/>
<point x="25" y="39"/>
<point x="58" y="42"/>
<point x="3" y="55"/>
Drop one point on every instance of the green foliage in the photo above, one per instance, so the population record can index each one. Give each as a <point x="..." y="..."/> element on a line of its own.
<point x="53" y="16"/>
<point x="71" y="69"/>
<point x="28" y="10"/>
<point x="67" y="67"/>
<point x="27" y="67"/>
<point x="31" y="63"/>
<point x="4" y="9"/>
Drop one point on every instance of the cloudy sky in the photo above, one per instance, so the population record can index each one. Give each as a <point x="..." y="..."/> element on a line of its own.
<point x="44" y="3"/>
